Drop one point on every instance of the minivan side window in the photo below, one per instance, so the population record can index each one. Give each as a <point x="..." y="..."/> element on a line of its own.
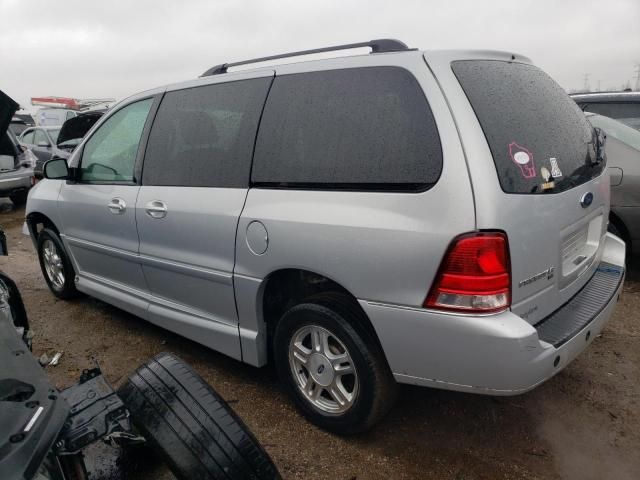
<point x="357" y="128"/>
<point x="110" y="154"/>
<point x="204" y="136"/>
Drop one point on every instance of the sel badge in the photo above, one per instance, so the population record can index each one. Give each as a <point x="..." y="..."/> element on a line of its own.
<point x="555" y="169"/>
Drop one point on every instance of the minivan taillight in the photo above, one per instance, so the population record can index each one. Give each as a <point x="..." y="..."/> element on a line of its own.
<point x="475" y="275"/>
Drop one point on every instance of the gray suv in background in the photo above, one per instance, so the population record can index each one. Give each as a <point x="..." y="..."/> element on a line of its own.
<point x="433" y="218"/>
<point x="623" y="106"/>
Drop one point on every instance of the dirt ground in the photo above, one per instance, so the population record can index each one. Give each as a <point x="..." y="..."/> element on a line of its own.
<point x="582" y="424"/>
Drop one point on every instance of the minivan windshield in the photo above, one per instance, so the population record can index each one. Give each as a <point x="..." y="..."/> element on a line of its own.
<point x="539" y="138"/>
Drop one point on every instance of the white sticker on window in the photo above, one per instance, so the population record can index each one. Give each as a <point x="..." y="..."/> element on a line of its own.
<point x="555" y="169"/>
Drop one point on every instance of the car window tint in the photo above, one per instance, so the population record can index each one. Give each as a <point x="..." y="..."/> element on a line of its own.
<point x="204" y="136"/>
<point x="40" y="137"/>
<point x="358" y="128"/>
<point x="110" y="153"/>
<point x="539" y="138"/>
<point x="28" y="138"/>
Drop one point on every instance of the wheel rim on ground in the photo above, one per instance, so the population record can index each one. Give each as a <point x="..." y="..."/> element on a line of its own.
<point x="323" y="369"/>
<point x="53" y="264"/>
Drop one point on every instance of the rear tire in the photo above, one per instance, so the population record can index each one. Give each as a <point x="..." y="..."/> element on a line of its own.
<point x="193" y="428"/>
<point x="343" y="403"/>
<point x="56" y="265"/>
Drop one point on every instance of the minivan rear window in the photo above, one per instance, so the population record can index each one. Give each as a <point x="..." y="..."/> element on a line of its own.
<point x="359" y="128"/>
<point x="540" y="140"/>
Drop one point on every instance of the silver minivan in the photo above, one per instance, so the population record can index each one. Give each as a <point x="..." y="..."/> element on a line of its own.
<point x="434" y="218"/>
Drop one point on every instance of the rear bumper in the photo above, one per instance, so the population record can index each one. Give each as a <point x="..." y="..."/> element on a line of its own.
<point x="496" y="354"/>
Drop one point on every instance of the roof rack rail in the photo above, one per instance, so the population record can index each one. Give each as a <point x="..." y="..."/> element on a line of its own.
<point x="377" y="46"/>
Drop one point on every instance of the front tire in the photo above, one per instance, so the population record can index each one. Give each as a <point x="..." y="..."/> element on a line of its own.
<point x="56" y="265"/>
<point x="332" y="364"/>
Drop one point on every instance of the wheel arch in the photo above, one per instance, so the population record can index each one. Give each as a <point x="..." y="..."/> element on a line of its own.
<point x="286" y="287"/>
<point x="36" y="221"/>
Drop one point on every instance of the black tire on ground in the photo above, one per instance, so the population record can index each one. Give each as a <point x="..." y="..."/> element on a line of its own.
<point x="343" y="318"/>
<point x="68" y="289"/>
<point x="191" y="426"/>
<point x="19" y="198"/>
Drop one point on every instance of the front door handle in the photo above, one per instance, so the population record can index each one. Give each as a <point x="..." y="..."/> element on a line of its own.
<point x="156" y="209"/>
<point x="117" y="206"/>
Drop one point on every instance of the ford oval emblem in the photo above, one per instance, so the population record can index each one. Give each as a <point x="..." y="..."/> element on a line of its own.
<point x="586" y="200"/>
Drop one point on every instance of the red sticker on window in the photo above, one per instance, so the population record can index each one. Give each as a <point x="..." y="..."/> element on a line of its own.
<point x="523" y="158"/>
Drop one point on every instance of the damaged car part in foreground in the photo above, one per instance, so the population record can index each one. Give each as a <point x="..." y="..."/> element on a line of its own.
<point x="43" y="431"/>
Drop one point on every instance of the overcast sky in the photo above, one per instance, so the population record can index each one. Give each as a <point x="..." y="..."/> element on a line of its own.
<point x="114" y="48"/>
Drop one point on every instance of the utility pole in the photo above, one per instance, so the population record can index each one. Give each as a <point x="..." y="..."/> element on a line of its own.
<point x="598" y="86"/>
<point x="637" y="66"/>
<point x="586" y="86"/>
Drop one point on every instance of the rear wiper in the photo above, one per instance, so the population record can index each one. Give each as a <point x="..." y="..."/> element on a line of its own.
<point x="599" y="142"/>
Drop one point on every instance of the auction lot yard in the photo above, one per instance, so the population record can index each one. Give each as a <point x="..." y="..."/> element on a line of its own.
<point x="583" y="424"/>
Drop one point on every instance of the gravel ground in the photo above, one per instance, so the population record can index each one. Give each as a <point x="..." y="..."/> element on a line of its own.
<point x="582" y="424"/>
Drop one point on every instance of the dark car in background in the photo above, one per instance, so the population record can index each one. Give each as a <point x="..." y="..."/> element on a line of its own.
<point x="621" y="106"/>
<point x="623" y="161"/>
<point x="43" y="141"/>
<point x="73" y="131"/>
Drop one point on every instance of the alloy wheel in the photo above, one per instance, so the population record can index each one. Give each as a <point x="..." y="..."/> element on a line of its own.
<point x="323" y="369"/>
<point x="53" y="264"/>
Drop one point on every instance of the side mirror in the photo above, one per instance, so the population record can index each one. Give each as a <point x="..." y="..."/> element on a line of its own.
<point x="56" y="169"/>
<point x="43" y="144"/>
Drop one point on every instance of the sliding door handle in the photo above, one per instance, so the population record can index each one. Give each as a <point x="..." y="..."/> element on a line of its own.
<point x="156" y="209"/>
